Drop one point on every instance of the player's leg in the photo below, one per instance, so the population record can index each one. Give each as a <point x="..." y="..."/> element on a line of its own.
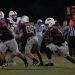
<point x="49" y="48"/>
<point x="36" y="49"/>
<point x="2" y="53"/>
<point x="38" y="44"/>
<point x="2" y="58"/>
<point x="65" y="50"/>
<point x="22" y="44"/>
<point x="28" y="48"/>
<point x="12" y="44"/>
<point x="49" y="56"/>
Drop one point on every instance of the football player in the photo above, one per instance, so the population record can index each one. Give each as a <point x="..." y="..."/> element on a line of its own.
<point x="39" y="29"/>
<point x="2" y="55"/>
<point x="54" y="41"/>
<point x="8" y="41"/>
<point x="14" y="22"/>
<point x="13" y="18"/>
<point x="29" y="40"/>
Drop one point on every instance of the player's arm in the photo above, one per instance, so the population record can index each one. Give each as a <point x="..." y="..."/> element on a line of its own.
<point x="20" y="33"/>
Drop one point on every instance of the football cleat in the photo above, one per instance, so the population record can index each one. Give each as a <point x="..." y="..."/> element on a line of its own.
<point x="25" y="62"/>
<point x="35" y="61"/>
<point x="49" y="64"/>
<point x="41" y="64"/>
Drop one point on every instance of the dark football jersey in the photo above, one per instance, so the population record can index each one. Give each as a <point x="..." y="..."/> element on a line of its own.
<point x="5" y="34"/>
<point x="28" y="29"/>
<point x="54" y="35"/>
<point x="2" y="23"/>
<point x="6" y="21"/>
<point x="57" y="35"/>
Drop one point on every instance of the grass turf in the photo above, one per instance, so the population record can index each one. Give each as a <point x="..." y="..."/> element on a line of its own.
<point x="61" y="67"/>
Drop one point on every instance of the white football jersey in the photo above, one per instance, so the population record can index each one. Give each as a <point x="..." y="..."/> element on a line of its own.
<point x="39" y="29"/>
<point x="14" y="22"/>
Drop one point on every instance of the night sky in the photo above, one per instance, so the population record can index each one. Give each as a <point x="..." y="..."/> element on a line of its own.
<point x="36" y="8"/>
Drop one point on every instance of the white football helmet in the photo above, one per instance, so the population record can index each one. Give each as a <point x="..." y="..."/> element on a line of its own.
<point x="39" y="20"/>
<point x="2" y="14"/>
<point x="12" y="13"/>
<point x="50" y="22"/>
<point x="24" y="19"/>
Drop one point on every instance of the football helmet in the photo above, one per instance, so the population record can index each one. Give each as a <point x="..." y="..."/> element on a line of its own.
<point x="2" y="14"/>
<point x="39" y="20"/>
<point x="50" y="22"/>
<point x="24" y="19"/>
<point x="12" y="13"/>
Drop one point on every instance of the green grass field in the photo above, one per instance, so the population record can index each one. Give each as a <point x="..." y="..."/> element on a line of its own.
<point x="61" y="67"/>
